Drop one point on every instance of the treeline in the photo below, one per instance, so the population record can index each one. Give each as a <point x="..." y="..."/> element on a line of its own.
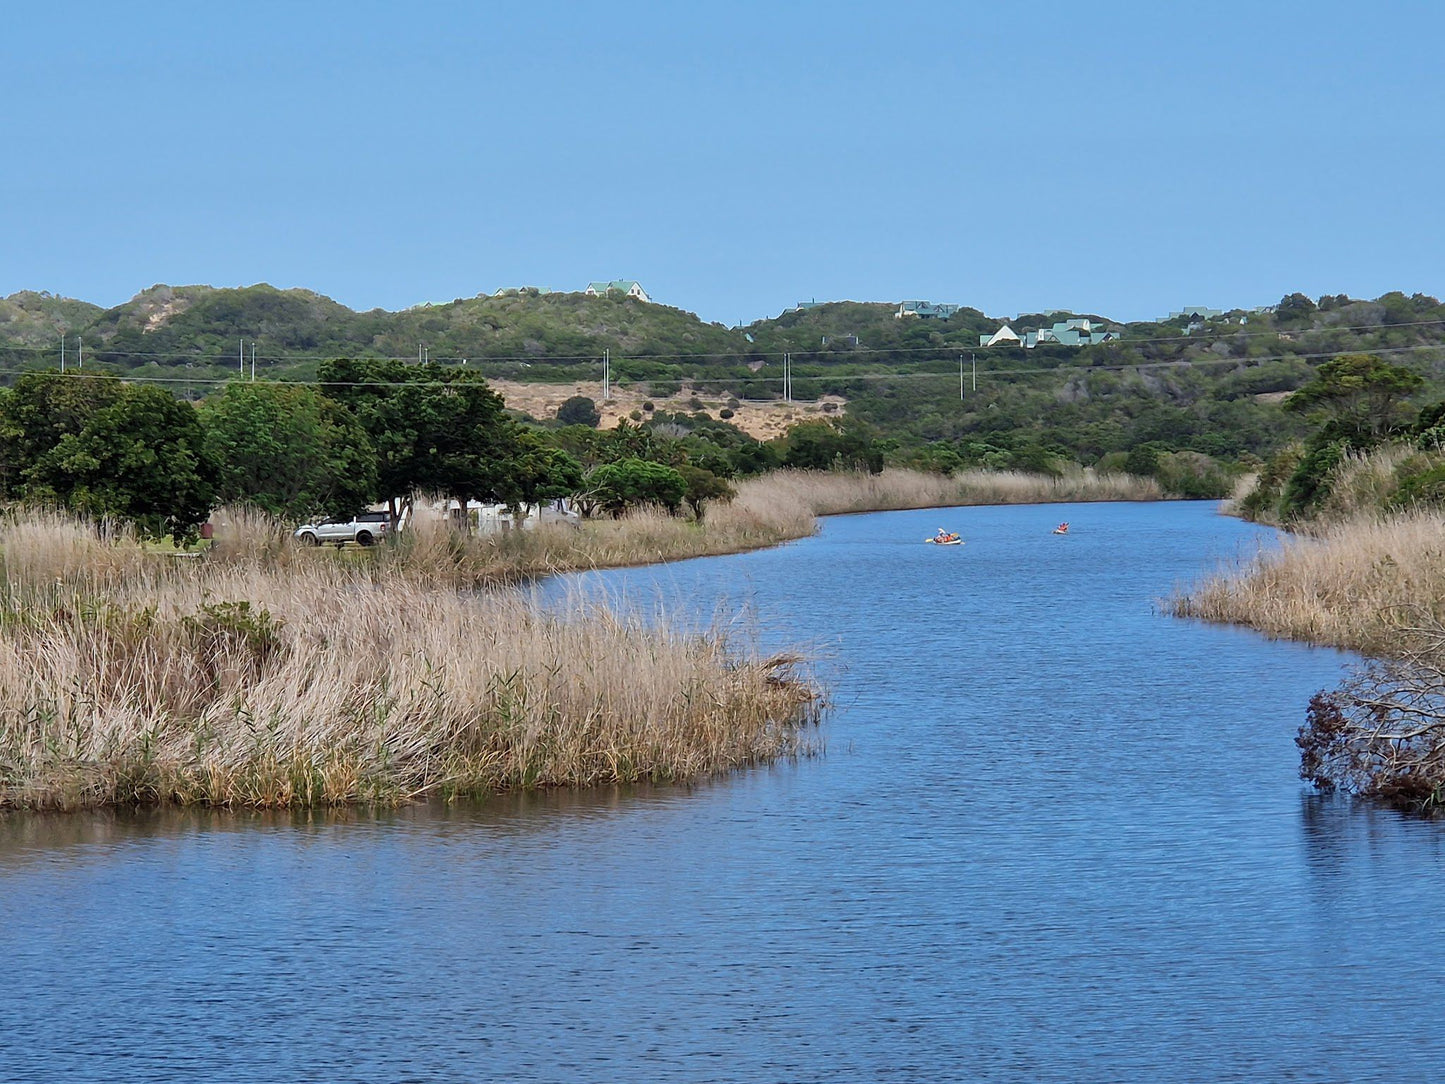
<point x="369" y="431"/>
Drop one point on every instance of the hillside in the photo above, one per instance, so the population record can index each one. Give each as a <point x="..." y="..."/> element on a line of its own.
<point x="32" y="319"/>
<point x="1212" y="388"/>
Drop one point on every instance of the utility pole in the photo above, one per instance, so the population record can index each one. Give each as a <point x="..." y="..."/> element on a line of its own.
<point x="80" y="352"/>
<point x="606" y="373"/>
<point x="243" y="359"/>
<point x="62" y="353"/>
<point x="975" y="371"/>
<point x="253" y="359"/>
<point x="960" y="378"/>
<point x="787" y="377"/>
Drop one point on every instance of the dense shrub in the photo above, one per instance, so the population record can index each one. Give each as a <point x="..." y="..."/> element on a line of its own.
<point x="579" y="410"/>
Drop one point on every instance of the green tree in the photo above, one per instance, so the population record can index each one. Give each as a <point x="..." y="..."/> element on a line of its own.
<point x="628" y="483"/>
<point x="288" y="450"/>
<point x="107" y="449"/>
<point x="435" y="429"/>
<point x="1357" y="398"/>
<point x="537" y="472"/>
<point x="1294" y="308"/>
<point x="1143" y="459"/>
<point x="703" y="486"/>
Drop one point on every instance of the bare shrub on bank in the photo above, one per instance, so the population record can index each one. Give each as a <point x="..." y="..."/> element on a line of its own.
<point x="1381" y="734"/>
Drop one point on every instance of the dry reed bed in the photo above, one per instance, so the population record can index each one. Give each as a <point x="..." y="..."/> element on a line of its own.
<point x="1364" y="584"/>
<point x="833" y="493"/>
<point x="127" y="677"/>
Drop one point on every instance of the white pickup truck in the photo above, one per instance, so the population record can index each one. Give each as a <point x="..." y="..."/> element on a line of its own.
<point x="364" y="530"/>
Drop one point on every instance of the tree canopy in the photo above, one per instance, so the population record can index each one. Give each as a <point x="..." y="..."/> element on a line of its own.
<point x="1358" y="397"/>
<point x="107" y="449"/>
<point x="288" y="450"/>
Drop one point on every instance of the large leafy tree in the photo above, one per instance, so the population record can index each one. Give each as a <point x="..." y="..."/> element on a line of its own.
<point x="703" y="486"/>
<point x="1357" y="397"/>
<point x="288" y="450"/>
<point x="107" y="449"/>
<point x="537" y="472"/>
<point x="439" y="429"/>
<point x="617" y="487"/>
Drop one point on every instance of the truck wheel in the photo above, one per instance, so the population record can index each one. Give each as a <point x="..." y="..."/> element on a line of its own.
<point x="309" y="539"/>
<point x="363" y="538"/>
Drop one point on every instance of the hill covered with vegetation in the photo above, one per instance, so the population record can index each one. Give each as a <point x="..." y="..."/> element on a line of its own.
<point x="1211" y="388"/>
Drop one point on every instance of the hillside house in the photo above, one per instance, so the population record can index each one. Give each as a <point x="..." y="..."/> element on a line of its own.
<point x="628" y="287"/>
<point x="1004" y="336"/>
<point x="924" y="310"/>
<point x="1077" y="332"/>
<point x="1193" y="316"/>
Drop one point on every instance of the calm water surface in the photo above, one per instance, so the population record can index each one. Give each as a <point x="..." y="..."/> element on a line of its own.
<point x="1055" y="837"/>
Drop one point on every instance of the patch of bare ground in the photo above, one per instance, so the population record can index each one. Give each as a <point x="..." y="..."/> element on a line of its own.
<point x="762" y="419"/>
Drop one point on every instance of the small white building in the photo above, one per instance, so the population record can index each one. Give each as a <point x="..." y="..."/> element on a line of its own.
<point x="1004" y="336"/>
<point x="627" y="287"/>
<point x="494" y="518"/>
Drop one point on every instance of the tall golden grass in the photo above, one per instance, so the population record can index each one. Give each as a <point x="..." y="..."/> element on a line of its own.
<point x="1364" y="483"/>
<point x="131" y="677"/>
<point x="1366" y="583"/>
<point x="830" y="493"/>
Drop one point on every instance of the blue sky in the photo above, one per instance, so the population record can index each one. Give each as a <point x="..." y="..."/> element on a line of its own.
<point x="1118" y="158"/>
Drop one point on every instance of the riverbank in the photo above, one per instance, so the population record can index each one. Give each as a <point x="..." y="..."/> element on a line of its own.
<point x="767" y="511"/>
<point x="1367" y="584"/>
<point x="126" y="678"/>
<point x="266" y="674"/>
<point x="1373" y="582"/>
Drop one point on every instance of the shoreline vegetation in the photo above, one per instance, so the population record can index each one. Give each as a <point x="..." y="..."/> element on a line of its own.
<point x="1365" y="574"/>
<point x="770" y="510"/>
<point x="1364" y="569"/>
<point x="1366" y="584"/>
<point x="265" y="674"/>
<point x="130" y="678"/>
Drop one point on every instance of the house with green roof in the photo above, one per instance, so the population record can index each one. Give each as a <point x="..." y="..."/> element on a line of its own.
<point x="1077" y="332"/>
<point x="626" y="287"/>
<point x="924" y="310"/>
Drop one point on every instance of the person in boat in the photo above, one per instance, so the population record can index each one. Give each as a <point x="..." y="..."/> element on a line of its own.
<point x="944" y="536"/>
<point x="1062" y="528"/>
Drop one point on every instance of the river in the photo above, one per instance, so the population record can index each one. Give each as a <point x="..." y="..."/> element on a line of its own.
<point x="1055" y="836"/>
